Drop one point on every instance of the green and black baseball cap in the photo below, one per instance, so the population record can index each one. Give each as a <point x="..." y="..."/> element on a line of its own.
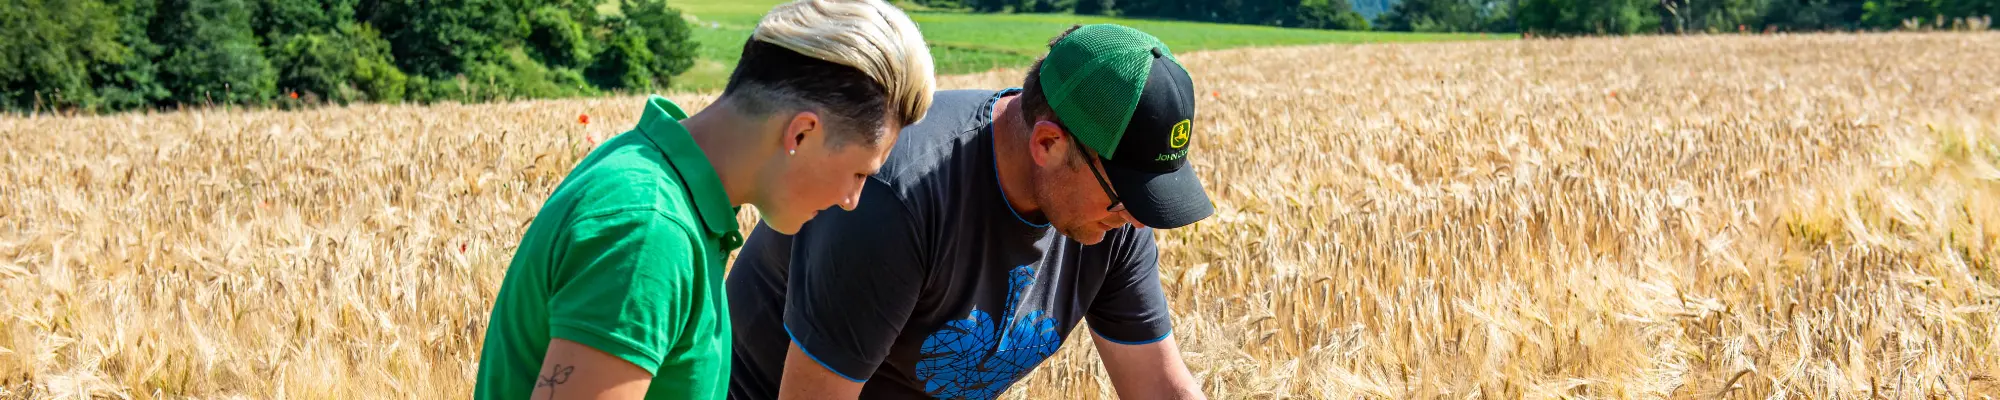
<point x="1125" y="96"/>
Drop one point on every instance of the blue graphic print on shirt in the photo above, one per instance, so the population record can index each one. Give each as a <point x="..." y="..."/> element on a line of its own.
<point x="975" y="358"/>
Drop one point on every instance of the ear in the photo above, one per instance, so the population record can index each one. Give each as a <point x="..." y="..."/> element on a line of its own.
<point x="804" y="127"/>
<point x="1048" y="144"/>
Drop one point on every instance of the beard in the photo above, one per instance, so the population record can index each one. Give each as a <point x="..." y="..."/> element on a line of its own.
<point x="1059" y="207"/>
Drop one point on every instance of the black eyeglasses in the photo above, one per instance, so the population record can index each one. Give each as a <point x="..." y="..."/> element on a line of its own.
<point x="1089" y="159"/>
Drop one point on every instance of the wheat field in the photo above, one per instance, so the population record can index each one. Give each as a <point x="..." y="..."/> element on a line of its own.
<point x="1812" y="216"/>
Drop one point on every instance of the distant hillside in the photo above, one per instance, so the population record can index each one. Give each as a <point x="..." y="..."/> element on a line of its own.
<point x="965" y="42"/>
<point x="1371" y="8"/>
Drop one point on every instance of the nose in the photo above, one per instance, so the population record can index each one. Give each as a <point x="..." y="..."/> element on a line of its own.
<point x="853" y="197"/>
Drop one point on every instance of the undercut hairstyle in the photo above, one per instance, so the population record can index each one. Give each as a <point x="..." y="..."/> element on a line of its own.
<point x="1035" y="104"/>
<point x="857" y="63"/>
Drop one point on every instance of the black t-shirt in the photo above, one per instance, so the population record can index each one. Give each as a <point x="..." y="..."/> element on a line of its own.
<point x="932" y="286"/>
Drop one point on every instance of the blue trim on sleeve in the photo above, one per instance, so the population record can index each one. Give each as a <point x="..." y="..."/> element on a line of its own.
<point x="822" y="364"/>
<point x="1170" y="332"/>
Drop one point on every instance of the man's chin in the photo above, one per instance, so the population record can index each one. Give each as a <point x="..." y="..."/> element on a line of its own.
<point x="1085" y="236"/>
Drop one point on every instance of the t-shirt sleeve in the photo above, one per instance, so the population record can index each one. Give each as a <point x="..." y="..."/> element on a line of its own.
<point x="1130" y="308"/>
<point x="854" y="278"/>
<point x="622" y="286"/>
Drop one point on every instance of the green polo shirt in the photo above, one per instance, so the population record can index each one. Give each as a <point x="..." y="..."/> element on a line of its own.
<point x="627" y="257"/>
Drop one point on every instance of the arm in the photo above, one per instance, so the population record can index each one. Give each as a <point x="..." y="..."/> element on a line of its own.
<point x="854" y="279"/>
<point x="619" y="306"/>
<point x="1130" y="325"/>
<point x="806" y="379"/>
<point x="1147" y="371"/>
<point x="575" y="371"/>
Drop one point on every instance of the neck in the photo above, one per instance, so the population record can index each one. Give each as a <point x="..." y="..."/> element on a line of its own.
<point x="733" y="148"/>
<point x="1011" y="159"/>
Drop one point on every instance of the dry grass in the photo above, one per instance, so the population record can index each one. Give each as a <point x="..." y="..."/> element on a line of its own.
<point x="1740" y="217"/>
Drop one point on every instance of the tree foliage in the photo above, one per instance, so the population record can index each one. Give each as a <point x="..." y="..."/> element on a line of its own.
<point x="1447" y="16"/>
<point x="111" y="55"/>
<point x="1546" y="17"/>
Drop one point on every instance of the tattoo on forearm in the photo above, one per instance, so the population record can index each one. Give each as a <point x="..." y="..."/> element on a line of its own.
<point x="558" y="375"/>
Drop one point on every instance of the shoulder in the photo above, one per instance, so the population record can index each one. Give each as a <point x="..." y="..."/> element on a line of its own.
<point x="954" y="116"/>
<point x="956" y="105"/>
<point x="1132" y="245"/>
<point x="636" y="222"/>
<point x="629" y="185"/>
<point x="939" y="148"/>
<point x="636" y="240"/>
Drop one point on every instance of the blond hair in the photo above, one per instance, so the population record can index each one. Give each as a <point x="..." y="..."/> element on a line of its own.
<point x="868" y="35"/>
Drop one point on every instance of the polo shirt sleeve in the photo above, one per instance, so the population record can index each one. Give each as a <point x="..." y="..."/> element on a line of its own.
<point x="854" y="279"/>
<point x="623" y="285"/>
<point x="1130" y="308"/>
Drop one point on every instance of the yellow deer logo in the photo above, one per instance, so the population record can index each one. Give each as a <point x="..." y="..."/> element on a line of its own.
<point x="1180" y="136"/>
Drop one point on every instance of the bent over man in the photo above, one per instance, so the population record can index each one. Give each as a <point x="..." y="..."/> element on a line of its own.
<point x="998" y="225"/>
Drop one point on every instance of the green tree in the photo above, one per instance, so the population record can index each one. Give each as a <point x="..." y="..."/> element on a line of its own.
<point x="212" y="56"/>
<point x="50" y="48"/>
<point x="350" y="64"/>
<point x="557" y="39"/>
<point x="1092" y="7"/>
<point x="987" y="5"/>
<point x="667" y="35"/>
<point x="1260" y="12"/>
<point x="1151" y="8"/>
<point x="1435" y="16"/>
<point x="1888" y="14"/>
<point x="443" y="38"/>
<point x="1373" y="9"/>
<point x="1328" y="14"/>
<point x="1812" y="15"/>
<point x="1034" y="6"/>
<point x="1969" y="8"/>
<point x="1682" y="16"/>
<point x="625" y="62"/>
<point x="941" y="4"/>
<point x="277" y="19"/>
<point x="644" y="49"/>
<point x="133" y="82"/>
<point x="1570" y="17"/>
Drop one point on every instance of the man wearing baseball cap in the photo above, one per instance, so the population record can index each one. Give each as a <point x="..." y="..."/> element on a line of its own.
<point x="997" y="225"/>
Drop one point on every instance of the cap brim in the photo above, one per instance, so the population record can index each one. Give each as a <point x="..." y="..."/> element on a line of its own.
<point x="1162" y="200"/>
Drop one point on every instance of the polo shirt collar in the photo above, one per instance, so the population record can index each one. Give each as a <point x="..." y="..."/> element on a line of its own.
<point x="661" y="123"/>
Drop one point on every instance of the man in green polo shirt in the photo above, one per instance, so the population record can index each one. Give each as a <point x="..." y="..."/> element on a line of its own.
<point x="616" y="288"/>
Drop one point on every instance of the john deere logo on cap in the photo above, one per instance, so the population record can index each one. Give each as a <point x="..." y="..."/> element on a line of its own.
<point x="1180" y="136"/>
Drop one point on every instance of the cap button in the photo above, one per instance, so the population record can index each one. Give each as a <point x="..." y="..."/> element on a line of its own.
<point x="1157" y="53"/>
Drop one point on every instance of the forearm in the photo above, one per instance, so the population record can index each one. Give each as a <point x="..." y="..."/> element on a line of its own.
<point x="1148" y="371"/>
<point x="806" y="379"/>
<point x="1171" y="381"/>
